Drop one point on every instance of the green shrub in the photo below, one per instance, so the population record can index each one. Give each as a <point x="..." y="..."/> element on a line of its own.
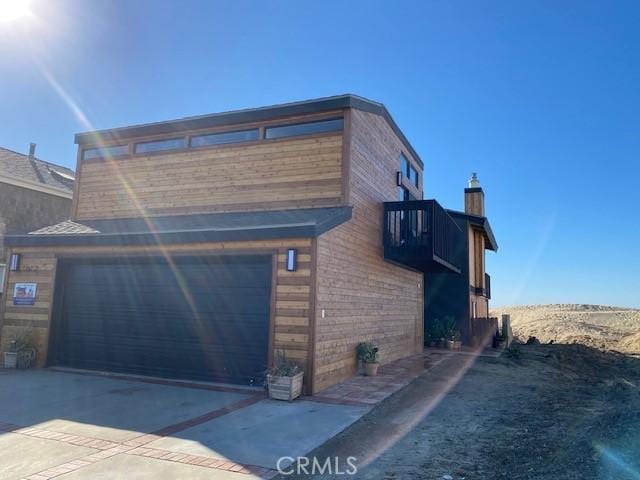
<point x="283" y="367"/>
<point x="367" y="352"/>
<point x="22" y="340"/>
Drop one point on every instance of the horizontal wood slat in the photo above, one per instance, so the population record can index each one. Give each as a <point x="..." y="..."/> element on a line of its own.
<point x="296" y="173"/>
<point x="364" y="297"/>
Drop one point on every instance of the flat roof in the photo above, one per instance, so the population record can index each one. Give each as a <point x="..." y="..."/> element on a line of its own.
<point x="249" y="115"/>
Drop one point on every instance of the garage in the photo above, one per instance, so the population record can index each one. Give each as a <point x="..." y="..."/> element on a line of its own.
<point x="203" y="318"/>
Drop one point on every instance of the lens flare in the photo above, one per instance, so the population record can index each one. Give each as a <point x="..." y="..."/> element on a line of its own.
<point x="11" y="10"/>
<point x="613" y="458"/>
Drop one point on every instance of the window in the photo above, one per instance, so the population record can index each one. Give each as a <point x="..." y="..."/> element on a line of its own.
<point x="224" y="137"/>
<point x="103" y="152"/>
<point x="160" y="145"/>
<point x="298" y="129"/>
<point x="403" y="194"/>
<point x="3" y="268"/>
<point x="404" y="165"/>
<point x="409" y="171"/>
<point x="413" y="176"/>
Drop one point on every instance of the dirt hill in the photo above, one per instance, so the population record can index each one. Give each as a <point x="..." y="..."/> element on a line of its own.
<point x="603" y="327"/>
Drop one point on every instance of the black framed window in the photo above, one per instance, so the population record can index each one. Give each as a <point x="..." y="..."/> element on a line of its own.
<point x="225" y="137"/>
<point x="404" y="165"/>
<point x="297" y="129"/>
<point x="409" y="171"/>
<point x="403" y="194"/>
<point x="104" y="152"/>
<point x="160" y="145"/>
<point x="413" y="176"/>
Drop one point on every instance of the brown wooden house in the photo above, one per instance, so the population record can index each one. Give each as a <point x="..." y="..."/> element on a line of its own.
<point x="465" y="296"/>
<point x="200" y="247"/>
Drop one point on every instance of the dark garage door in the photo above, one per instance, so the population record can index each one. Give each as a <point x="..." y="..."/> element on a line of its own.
<point x="197" y="318"/>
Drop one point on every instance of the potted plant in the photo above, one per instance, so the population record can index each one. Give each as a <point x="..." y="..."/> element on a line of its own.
<point x="451" y="332"/>
<point x="453" y="339"/>
<point x="11" y="356"/>
<point x="21" y="353"/>
<point x="457" y="344"/>
<point x="449" y="343"/>
<point x="284" y="379"/>
<point x="368" y="354"/>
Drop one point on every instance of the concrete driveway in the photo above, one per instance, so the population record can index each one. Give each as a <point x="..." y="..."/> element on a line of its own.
<point x="84" y="426"/>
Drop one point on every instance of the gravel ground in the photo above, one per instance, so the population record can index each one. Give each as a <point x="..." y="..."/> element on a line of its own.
<point x="545" y="412"/>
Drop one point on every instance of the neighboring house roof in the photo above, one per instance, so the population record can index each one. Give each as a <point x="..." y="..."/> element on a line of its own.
<point x="246" y="116"/>
<point x="307" y="222"/>
<point x="482" y="223"/>
<point x="64" y="228"/>
<point x="18" y="169"/>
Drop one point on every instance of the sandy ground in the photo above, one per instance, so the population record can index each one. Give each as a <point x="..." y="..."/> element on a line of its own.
<point x="549" y="412"/>
<point x="602" y="327"/>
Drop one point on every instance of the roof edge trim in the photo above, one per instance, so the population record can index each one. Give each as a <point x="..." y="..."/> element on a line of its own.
<point x="248" y="116"/>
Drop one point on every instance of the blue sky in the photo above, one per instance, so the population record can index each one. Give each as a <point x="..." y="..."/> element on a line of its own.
<point x="541" y="98"/>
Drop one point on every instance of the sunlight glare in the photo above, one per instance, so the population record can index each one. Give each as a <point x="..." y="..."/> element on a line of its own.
<point x="14" y="9"/>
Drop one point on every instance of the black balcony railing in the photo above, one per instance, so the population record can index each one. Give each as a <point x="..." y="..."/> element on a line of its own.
<point x="422" y="235"/>
<point x="487" y="285"/>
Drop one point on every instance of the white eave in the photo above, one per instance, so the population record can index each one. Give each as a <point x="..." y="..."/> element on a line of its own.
<point x="39" y="187"/>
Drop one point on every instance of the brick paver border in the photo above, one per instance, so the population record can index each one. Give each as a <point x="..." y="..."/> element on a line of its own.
<point x="136" y="446"/>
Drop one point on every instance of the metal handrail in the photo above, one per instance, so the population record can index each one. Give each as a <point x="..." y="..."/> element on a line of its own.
<point x="421" y="224"/>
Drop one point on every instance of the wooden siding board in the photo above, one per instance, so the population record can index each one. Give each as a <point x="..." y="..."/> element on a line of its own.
<point x="304" y="172"/>
<point x="364" y="297"/>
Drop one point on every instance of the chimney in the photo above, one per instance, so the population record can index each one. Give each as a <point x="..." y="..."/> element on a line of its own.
<point x="32" y="151"/>
<point x="474" y="197"/>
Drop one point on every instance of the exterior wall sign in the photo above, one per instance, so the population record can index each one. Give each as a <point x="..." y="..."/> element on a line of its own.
<point x="24" y="293"/>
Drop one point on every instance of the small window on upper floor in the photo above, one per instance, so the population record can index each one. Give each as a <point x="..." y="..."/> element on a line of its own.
<point x="3" y="268"/>
<point x="404" y="165"/>
<point x="409" y="171"/>
<point x="224" y="138"/>
<point x="105" y="152"/>
<point x="295" y="130"/>
<point x="414" y="177"/>
<point x="160" y="145"/>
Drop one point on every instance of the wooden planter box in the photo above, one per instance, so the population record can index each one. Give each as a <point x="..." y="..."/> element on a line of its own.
<point x="285" y="388"/>
<point x="26" y="358"/>
<point x="22" y="359"/>
<point x="10" y="359"/>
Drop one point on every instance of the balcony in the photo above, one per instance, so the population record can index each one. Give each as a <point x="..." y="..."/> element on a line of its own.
<point x="420" y="234"/>
<point x="487" y="286"/>
<point x="486" y="290"/>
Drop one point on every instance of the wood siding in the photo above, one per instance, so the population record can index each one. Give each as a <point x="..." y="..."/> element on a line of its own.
<point x="476" y="272"/>
<point x="364" y="297"/>
<point x="269" y="174"/>
<point x="35" y="267"/>
<point x="291" y="306"/>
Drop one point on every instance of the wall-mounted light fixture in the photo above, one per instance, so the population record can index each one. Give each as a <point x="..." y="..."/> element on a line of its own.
<point x="399" y="179"/>
<point x="292" y="260"/>
<point x="14" y="263"/>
